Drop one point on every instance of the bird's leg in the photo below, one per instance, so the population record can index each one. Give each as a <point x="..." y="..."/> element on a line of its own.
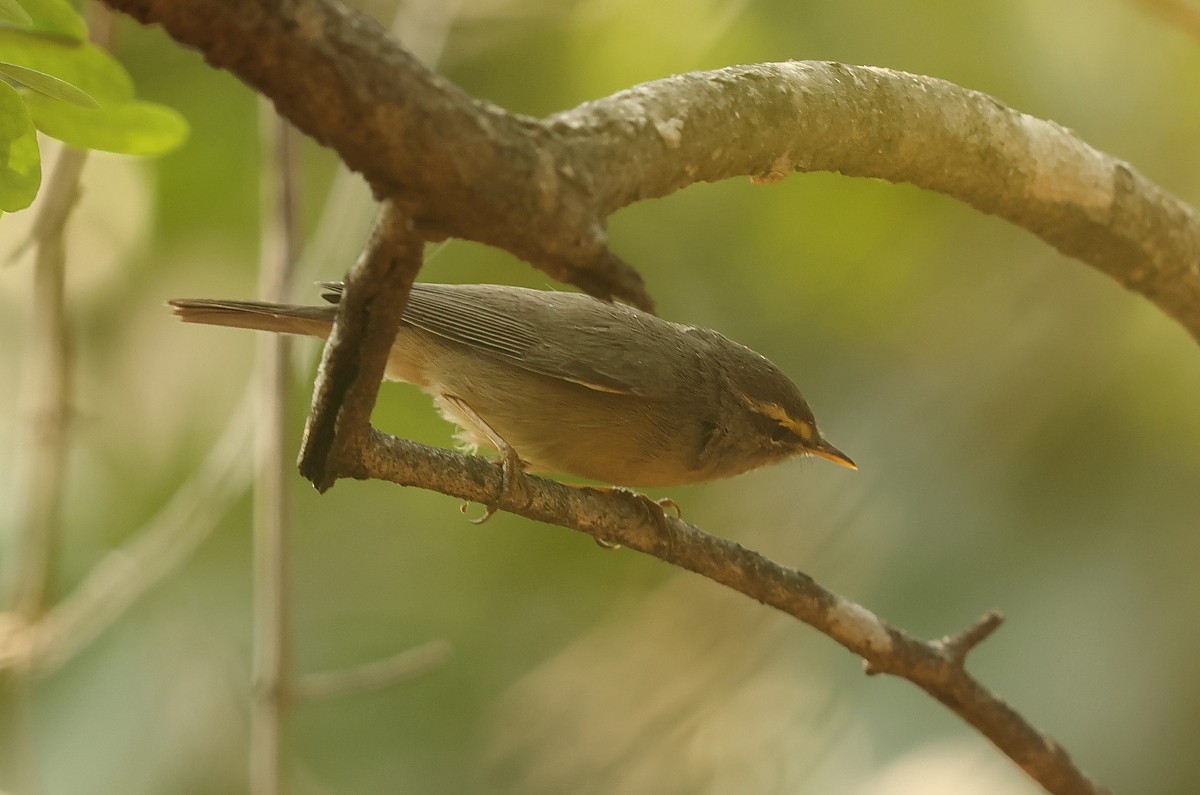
<point x="513" y="486"/>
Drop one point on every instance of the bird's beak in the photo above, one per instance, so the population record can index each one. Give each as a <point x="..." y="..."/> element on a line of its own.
<point x="826" y="450"/>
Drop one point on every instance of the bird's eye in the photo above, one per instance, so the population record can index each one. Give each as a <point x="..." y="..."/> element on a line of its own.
<point x="781" y="434"/>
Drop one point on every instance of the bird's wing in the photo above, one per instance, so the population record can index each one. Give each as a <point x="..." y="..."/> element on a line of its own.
<point x="611" y="347"/>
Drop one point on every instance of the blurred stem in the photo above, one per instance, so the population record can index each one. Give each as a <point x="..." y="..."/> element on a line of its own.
<point x="1183" y="15"/>
<point x="49" y="381"/>
<point x="271" y="516"/>
<point x="125" y="574"/>
<point x="377" y="675"/>
<point x="424" y="25"/>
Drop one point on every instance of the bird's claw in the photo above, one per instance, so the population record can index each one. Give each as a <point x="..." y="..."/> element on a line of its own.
<point x="514" y="487"/>
<point x="655" y="509"/>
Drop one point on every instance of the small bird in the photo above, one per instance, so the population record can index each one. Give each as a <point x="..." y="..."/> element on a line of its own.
<point x="563" y="382"/>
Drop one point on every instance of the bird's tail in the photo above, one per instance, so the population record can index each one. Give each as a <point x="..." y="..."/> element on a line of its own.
<point x="313" y="321"/>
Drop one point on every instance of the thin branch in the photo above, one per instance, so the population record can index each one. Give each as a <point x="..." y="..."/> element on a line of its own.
<point x="352" y="365"/>
<point x="377" y="675"/>
<point x="543" y="189"/>
<point x="272" y="642"/>
<point x="617" y="518"/>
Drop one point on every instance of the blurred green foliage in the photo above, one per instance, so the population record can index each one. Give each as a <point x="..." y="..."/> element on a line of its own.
<point x="1028" y="434"/>
<point x="68" y="89"/>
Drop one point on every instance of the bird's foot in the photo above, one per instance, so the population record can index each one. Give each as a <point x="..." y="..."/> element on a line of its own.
<point x="656" y="510"/>
<point x="514" y="486"/>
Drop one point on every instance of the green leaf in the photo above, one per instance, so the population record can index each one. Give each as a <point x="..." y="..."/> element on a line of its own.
<point x="85" y="66"/>
<point x="49" y="85"/>
<point x="11" y="11"/>
<point x="20" y="160"/>
<point x="134" y="128"/>
<point x="56" y="16"/>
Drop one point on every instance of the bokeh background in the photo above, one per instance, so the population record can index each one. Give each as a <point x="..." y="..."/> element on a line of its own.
<point x="1028" y="435"/>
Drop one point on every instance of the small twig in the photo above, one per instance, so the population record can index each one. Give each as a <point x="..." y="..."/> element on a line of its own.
<point x="376" y="675"/>
<point x="352" y="365"/>
<point x="957" y="647"/>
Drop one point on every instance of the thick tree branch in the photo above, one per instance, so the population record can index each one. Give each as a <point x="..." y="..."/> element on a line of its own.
<point x="458" y="166"/>
<point x="770" y="119"/>
<point x="619" y="518"/>
<point x="542" y="189"/>
<point x="352" y="366"/>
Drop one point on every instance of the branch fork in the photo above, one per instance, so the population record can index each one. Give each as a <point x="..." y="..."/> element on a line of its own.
<point x="957" y="647"/>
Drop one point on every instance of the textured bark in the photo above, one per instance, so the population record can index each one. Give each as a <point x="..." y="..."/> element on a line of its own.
<point x="542" y="189"/>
